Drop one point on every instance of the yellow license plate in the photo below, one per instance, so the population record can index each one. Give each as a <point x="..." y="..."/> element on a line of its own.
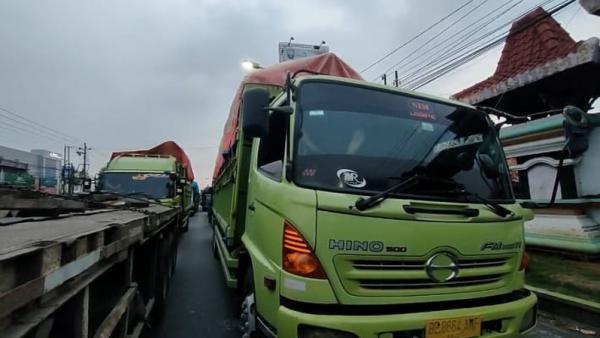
<point x="463" y="327"/>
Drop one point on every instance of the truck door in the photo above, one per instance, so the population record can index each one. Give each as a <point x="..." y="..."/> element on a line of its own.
<point x="262" y="233"/>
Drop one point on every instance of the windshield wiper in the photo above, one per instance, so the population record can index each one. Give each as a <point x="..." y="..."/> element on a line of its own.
<point x="364" y="204"/>
<point x="493" y="206"/>
<point x="143" y="194"/>
<point x="131" y="194"/>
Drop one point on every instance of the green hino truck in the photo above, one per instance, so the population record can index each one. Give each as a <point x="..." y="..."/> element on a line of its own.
<point x="347" y="209"/>
<point x="160" y="174"/>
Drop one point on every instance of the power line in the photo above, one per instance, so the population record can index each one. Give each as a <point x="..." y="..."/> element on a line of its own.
<point x="28" y="132"/>
<point x="436" y="36"/>
<point x="415" y="37"/>
<point x="469" y="42"/>
<point x="50" y="132"/>
<point x="40" y="125"/>
<point x="471" y="39"/>
<point x="32" y="128"/>
<point x="577" y="9"/>
<point x="461" y="35"/>
<point x="472" y="54"/>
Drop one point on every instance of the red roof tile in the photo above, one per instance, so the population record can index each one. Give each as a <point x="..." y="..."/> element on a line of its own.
<point x="526" y="49"/>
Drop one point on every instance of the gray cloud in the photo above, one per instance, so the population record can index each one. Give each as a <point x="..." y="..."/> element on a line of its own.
<point x="130" y="74"/>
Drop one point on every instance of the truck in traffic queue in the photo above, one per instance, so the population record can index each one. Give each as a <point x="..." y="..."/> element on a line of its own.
<point x="162" y="174"/>
<point x="344" y="208"/>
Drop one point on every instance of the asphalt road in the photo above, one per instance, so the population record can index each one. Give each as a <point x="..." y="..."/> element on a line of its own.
<point x="200" y="305"/>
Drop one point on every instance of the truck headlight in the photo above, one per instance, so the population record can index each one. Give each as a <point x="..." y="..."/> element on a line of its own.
<point x="309" y="331"/>
<point x="529" y="319"/>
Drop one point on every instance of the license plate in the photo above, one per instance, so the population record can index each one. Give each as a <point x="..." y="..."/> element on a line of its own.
<point x="463" y="327"/>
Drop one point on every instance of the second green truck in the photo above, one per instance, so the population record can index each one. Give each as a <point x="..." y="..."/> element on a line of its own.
<point x="160" y="174"/>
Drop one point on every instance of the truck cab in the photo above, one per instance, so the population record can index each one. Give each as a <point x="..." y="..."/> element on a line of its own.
<point x="158" y="178"/>
<point x="351" y="209"/>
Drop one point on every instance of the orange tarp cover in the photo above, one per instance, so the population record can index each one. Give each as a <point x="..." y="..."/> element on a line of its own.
<point x="165" y="148"/>
<point x="327" y="64"/>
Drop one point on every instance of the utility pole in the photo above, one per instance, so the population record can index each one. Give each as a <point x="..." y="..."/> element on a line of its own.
<point x="384" y="78"/>
<point x="396" y="82"/>
<point x="67" y="174"/>
<point x="83" y="151"/>
<point x="85" y="182"/>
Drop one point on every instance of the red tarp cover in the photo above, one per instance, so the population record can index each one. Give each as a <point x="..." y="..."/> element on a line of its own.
<point x="165" y="148"/>
<point x="328" y="64"/>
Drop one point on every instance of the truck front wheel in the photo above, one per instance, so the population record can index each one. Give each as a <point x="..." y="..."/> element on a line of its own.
<point x="249" y="314"/>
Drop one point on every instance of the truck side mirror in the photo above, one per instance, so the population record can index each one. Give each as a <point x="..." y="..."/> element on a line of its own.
<point x="255" y="118"/>
<point x="577" y="126"/>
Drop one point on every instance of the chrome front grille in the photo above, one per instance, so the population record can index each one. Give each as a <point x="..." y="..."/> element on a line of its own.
<point x="426" y="283"/>
<point x="420" y="264"/>
<point x="393" y="275"/>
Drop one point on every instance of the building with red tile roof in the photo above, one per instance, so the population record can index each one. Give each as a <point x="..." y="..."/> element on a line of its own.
<point x="541" y="68"/>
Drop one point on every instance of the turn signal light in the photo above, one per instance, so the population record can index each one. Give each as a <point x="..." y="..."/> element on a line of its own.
<point x="298" y="257"/>
<point x="524" y="261"/>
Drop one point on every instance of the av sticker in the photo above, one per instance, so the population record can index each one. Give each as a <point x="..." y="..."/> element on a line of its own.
<point x="309" y="172"/>
<point x="458" y="142"/>
<point x="351" y="178"/>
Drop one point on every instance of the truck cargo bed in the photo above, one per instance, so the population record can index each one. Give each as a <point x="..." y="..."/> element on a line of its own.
<point x="54" y="268"/>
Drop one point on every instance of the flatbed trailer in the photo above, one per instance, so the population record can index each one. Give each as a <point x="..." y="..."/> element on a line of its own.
<point x="87" y="273"/>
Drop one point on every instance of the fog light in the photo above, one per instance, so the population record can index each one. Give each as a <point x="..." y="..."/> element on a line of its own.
<point x="529" y="319"/>
<point x="308" y="331"/>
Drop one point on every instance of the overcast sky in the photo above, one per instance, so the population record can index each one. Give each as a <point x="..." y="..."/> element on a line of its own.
<point x="124" y="74"/>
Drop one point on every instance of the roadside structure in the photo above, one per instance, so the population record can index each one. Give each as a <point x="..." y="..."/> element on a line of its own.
<point x="43" y="165"/>
<point x="542" y="70"/>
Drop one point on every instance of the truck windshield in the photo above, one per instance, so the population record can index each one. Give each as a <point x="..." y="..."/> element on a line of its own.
<point x="361" y="140"/>
<point x="151" y="185"/>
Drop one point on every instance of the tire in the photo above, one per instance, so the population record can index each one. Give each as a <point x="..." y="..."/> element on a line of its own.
<point x="215" y="249"/>
<point x="161" y="289"/>
<point x="186" y="225"/>
<point x="174" y="255"/>
<point x="248" y="316"/>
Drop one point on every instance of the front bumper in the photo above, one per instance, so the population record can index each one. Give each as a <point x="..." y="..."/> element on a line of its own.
<point x="499" y="320"/>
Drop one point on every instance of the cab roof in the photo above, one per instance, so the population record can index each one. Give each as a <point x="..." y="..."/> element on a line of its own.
<point x="168" y="148"/>
<point x="275" y="75"/>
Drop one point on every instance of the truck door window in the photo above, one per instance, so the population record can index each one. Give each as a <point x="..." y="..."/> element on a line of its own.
<point x="272" y="148"/>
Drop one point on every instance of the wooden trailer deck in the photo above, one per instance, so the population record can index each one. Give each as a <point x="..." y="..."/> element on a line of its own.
<point x="48" y="268"/>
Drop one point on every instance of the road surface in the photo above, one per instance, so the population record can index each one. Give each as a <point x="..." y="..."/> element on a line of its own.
<point x="200" y="305"/>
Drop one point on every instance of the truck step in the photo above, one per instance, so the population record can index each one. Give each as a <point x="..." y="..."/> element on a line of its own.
<point x="228" y="263"/>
